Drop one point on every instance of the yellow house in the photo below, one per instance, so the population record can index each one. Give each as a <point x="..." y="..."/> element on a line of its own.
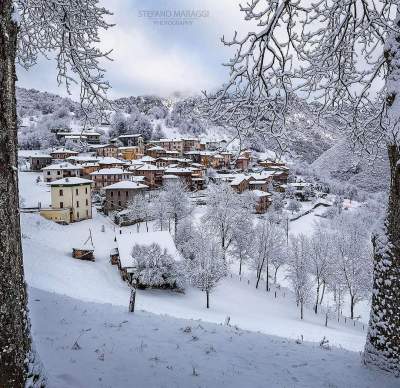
<point x="71" y="200"/>
<point x="131" y="152"/>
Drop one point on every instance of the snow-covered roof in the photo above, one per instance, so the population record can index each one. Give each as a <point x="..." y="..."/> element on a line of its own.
<point x="260" y="193"/>
<point x="172" y="152"/>
<point x="137" y="178"/>
<point x="111" y="160"/>
<point x="62" y="166"/>
<point x="71" y="181"/>
<point x="64" y="151"/>
<point x="126" y="185"/>
<point x="156" y="148"/>
<point x="97" y="146"/>
<point x="149" y="167"/>
<point x="177" y="170"/>
<point x="261" y="176"/>
<point x="126" y="242"/>
<point x="238" y="180"/>
<point x="39" y="155"/>
<point x="78" y="136"/>
<point x="257" y="182"/>
<point x="147" y="158"/>
<point x="82" y="158"/>
<point x="129" y="136"/>
<point x="110" y="171"/>
<point x="86" y="133"/>
<point x="169" y="140"/>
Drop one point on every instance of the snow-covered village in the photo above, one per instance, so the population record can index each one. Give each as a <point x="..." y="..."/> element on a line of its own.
<point x="166" y="221"/>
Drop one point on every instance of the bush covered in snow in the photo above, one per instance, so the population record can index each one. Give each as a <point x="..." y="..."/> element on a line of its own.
<point x="156" y="268"/>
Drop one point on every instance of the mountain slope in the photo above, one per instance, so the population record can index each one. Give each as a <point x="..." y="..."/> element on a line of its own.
<point x="341" y="164"/>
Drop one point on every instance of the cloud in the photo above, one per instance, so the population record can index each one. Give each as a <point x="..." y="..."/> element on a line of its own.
<point x="154" y="59"/>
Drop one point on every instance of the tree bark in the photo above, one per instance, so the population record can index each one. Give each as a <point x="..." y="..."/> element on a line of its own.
<point x="208" y="298"/>
<point x="323" y="292"/>
<point x="14" y="325"/>
<point x="352" y="307"/>
<point x="383" y="341"/>
<point x="316" y="302"/>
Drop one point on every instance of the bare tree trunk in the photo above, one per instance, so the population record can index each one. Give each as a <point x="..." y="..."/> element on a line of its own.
<point x="14" y="325"/>
<point x="323" y="292"/>
<point x="383" y="341"/>
<point x="352" y="307"/>
<point x="276" y="274"/>
<point x="267" y="282"/>
<point x="132" y="300"/>
<point x="175" y="224"/>
<point x="301" y="310"/>
<point x="240" y="265"/>
<point x="258" y="277"/>
<point x="208" y="298"/>
<point x="316" y="302"/>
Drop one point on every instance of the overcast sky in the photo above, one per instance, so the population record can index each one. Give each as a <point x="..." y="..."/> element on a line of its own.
<point x="161" y="59"/>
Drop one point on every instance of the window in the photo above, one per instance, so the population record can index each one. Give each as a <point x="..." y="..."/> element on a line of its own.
<point x="48" y="172"/>
<point x="112" y="193"/>
<point x="61" y="192"/>
<point x="61" y="205"/>
<point x="77" y="214"/>
<point x="87" y="213"/>
<point x="58" y="172"/>
<point x="85" y="190"/>
<point x="76" y="191"/>
<point x="119" y="193"/>
<point x="77" y="203"/>
<point x="126" y="193"/>
<point x="87" y="203"/>
<point x="119" y="203"/>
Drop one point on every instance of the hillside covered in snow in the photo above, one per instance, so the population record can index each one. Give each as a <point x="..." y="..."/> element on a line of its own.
<point x="155" y="117"/>
<point x="341" y="164"/>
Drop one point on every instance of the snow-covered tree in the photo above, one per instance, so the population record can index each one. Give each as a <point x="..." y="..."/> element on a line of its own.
<point x="268" y="242"/>
<point x="222" y="212"/>
<point x="118" y="124"/>
<point x="159" y="210"/>
<point x="155" y="267"/>
<point x="320" y="253"/>
<point x="69" y="32"/>
<point x="353" y="258"/>
<point x="345" y="56"/>
<point x="138" y="211"/>
<point x="278" y="201"/>
<point x="158" y="133"/>
<point x="206" y="266"/>
<point x="177" y="202"/>
<point x="157" y="112"/>
<point x="293" y="205"/>
<point x="139" y="123"/>
<point x="298" y="270"/>
<point x="242" y="238"/>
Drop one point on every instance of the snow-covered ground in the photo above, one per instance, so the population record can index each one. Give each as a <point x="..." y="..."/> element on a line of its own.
<point x="100" y="345"/>
<point x="49" y="266"/>
<point x="121" y="347"/>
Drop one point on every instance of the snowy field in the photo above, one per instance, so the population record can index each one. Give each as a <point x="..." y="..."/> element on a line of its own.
<point x="100" y="304"/>
<point x="86" y="345"/>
